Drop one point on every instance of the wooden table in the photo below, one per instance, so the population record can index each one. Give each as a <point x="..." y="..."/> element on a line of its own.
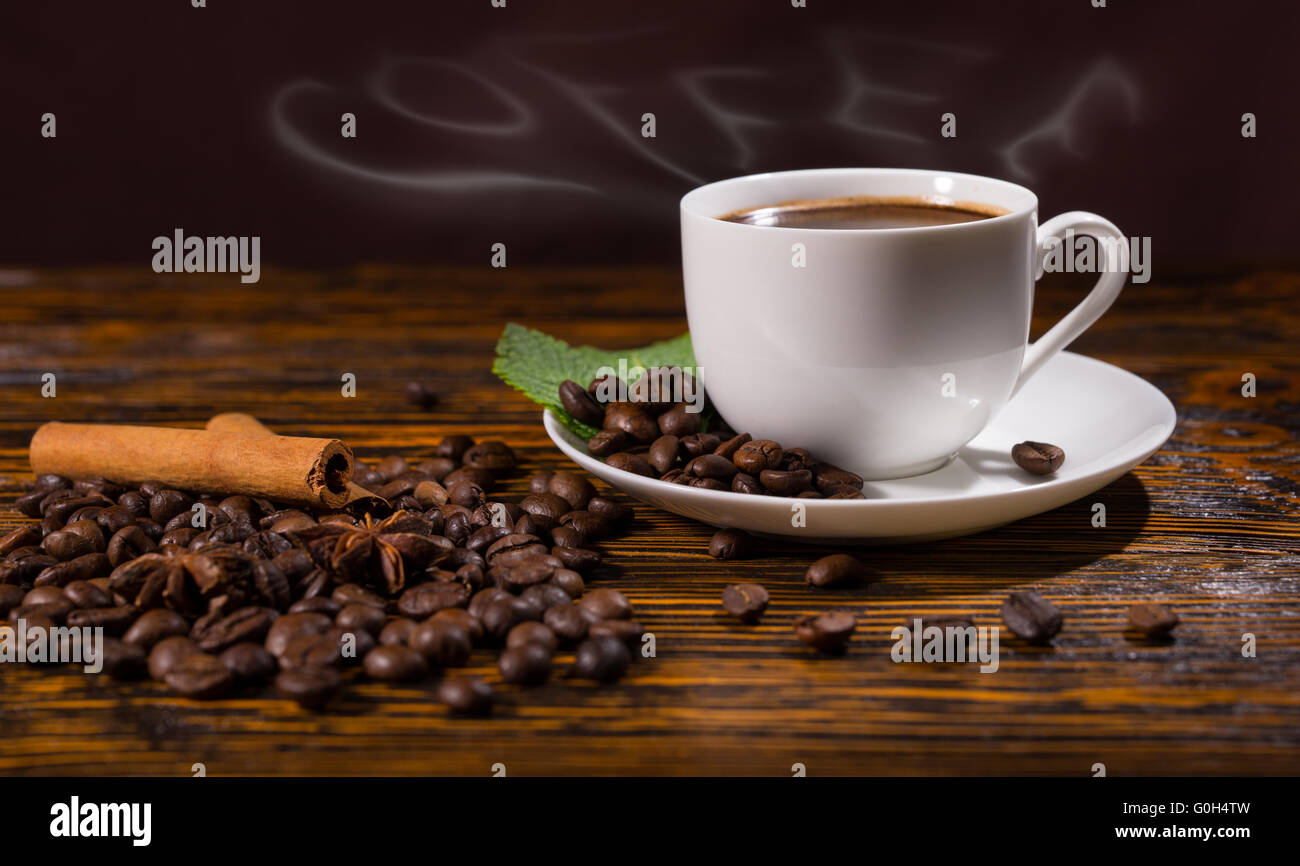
<point x="1208" y="525"/>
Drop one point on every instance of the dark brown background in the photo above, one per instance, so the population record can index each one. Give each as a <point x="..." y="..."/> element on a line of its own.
<point x="165" y="119"/>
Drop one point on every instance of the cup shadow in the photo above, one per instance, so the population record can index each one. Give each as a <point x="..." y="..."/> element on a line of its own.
<point x="1030" y="550"/>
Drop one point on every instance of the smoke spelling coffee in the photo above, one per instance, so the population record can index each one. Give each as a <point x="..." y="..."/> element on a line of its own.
<point x="865" y="212"/>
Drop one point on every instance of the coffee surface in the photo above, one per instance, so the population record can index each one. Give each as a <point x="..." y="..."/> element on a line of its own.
<point x="864" y="212"/>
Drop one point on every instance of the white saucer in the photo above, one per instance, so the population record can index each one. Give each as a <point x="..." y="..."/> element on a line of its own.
<point x="1106" y="419"/>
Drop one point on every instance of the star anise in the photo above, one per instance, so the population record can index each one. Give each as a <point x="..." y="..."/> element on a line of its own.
<point x="373" y="552"/>
<point x="184" y="580"/>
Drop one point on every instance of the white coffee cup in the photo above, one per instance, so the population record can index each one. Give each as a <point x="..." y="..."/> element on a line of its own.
<point x="880" y="350"/>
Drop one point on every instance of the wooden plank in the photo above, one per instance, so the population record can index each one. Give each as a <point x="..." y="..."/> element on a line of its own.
<point x="1208" y="525"/>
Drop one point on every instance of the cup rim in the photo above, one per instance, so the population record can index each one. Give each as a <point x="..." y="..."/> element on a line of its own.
<point x="688" y="204"/>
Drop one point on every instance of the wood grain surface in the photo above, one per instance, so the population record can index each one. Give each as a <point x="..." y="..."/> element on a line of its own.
<point x="1208" y="526"/>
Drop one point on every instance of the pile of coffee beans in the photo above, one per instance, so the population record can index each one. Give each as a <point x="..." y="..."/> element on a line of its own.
<point x="211" y="595"/>
<point x="660" y="439"/>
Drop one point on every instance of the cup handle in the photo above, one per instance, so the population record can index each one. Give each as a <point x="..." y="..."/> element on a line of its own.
<point x="1114" y="249"/>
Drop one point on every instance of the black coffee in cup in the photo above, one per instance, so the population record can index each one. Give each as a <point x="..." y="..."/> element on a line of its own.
<point x="864" y="212"/>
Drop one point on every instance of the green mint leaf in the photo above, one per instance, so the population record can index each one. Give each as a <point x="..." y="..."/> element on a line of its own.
<point x="536" y="363"/>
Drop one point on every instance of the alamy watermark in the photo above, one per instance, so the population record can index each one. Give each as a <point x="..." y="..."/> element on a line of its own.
<point x="1085" y="254"/>
<point x="638" y="384"/>
<point x="181" y="254"/>
<point x="949" y="643"/>
<point x="60" y="644"/>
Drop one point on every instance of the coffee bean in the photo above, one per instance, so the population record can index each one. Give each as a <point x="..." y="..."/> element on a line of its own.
<point x="122" y="661"/>
<point x="532" y="632"/>
<point x="395" y="664"/>
<point x="828" y="632"/>
<point x="321" y="650"/>
<point x="310" y="687"/>
<point x="492" y="455"/>
<point x="729" y="448"/>
<point x="154" y="626"/>
<point x="680" y="420"/>
<point x="786" y="482"/>
<point x="10" y="597"/>
<point x="838" y="569"/>
<point x="65" y="545"/>
<point x="249" y="661"/>
<point x="397" y="631"/>
<point x="567" y="622"/>
<point x="745" y="601"/>
<point x="1151" y="619"/>
<point x="527" y="664"/>
<point x="454" y="446"/>
<point x="320" y="604"/>
<point x="429" y="598"/>
<point x="82" y="568"/>
<point x="757" y="455"/>
<point x="167" y="504"/>
<point x="24" y="536"/>
<point x="744" y="483"/>
<point x="797" y="460"/>
<point x="83" y="593"/>
<point x="603" y="659"/>
<point x="1040" y="458"/>
<point x="580" y="560"/>
<point x="167" y="652"/>
<point x="421" y="395"/>
<point x="113" y="620"/>
<point x="199" y="676"/>
<point x="830" y="479"/>
<point x="361" y="617"/>
<point x="351" y="593"/>
<point x="632" y="420"/>
<point x="605" y="604"/>
<point x="711" y="466"/>
<point x="441" y="642"/>
<point x="466" y="696"/>
<point x="294" y="625"/>
<point x="579" y="403"/>
<point x="731" y="544"/>
<point x="634" y="463"/>
<point x="605" y="443"/>
<point x="245" y="624"/>
<point x="498" y="617"/>
<point x="462" y="618"/>
<point x="572" y="488"/>
<point x="629" y="631"/>
<point x="616" y="513"/>
<point x="1031" y="617"/>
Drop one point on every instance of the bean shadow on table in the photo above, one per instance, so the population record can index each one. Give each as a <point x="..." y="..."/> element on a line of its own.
<point x="1029" y="550"/>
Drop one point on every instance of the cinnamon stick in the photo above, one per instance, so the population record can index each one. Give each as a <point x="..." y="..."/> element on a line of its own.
<point x="290" y="469"/>
<point x="242" y="422"/>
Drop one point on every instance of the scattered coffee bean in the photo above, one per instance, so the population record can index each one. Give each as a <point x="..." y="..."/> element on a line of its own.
<point x="441" y="642"/>
<point x="422" y="395"/>
<point x="1040" y="458"/>
<point x="838" y="569"/>
<point x="249" y="661"/>
<point x="828" y="632"/>
<point x="395" y="664"/>
<point x="731" y="544"/>
<point x="1153" y="620"/>
<point x="310" y="687"/>
<point x="199" y="676"/>
<point x="745" y="601"/>
<point x="466" y="696"/>
<point x="603" y="659"/>
<point x="527" y="664"/>
<point x="1031" y="618"/>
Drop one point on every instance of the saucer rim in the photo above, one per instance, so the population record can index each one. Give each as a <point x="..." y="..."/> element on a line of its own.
<point x="1139" y="449"/>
